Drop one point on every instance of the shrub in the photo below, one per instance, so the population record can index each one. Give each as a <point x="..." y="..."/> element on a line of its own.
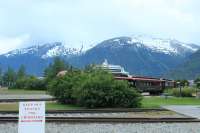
<point x="119" y="95"/>
<point x="29" y="83"/>
<point x="102" y="90"/>
<point x="62" y="87"/>
<point x="185" y="92"/>
<point x="94" y="89"/>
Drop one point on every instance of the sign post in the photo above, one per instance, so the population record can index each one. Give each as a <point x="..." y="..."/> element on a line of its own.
<point x="31" y="117"/>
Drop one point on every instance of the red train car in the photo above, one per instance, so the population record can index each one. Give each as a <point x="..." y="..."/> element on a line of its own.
<point x="148" y="84"/>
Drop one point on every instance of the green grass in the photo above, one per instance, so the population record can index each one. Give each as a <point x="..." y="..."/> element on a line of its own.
<point x="58" y="106"/>
<point x="147" y="102"/>
<point x="5" y="91"/>
<point x="157" y="102"/>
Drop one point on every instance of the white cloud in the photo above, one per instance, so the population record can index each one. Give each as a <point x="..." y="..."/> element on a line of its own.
<point x="90" y="21"/>
<point x="10" y="43"/>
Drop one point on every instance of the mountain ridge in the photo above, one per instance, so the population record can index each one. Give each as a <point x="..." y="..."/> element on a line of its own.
<point x="189" y="69"/>
<point x="138" y="55"/>
<point x="133" y="56"/>
<point x="47" y="50"/>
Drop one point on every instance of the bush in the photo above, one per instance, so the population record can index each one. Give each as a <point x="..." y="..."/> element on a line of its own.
<point x="29" y="83"/>
<point x="185" y="92"/>
<point x="62" y="87"/>
<point x="94" y="89"/>
<point x="102" y="90"/>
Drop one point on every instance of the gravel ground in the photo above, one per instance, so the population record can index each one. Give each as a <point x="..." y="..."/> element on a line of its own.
<point x="111" y="128"/>
<point x="158" y="114"/>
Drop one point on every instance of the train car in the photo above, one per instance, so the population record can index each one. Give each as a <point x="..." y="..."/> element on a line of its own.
<point x="147" y="84"/>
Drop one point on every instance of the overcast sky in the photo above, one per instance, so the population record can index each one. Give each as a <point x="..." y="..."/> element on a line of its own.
<point x="77" y="22"/>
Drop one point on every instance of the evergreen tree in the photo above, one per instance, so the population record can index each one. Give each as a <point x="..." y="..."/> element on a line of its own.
<point x="183" y="82"/>
<point x="9" y="77"/>
<point x="198" y="85"/>
<point x="197" y="80"/>
<point x="54" y="68"/>
<point x="21" y="72"/>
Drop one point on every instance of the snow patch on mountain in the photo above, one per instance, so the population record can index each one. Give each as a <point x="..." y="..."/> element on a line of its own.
<point x="162" y="45"/>
<point x="61" y="50"/>
<point x="47" y="50"/>
<point x="166" y="46"/>
<point x="29" y="50"/>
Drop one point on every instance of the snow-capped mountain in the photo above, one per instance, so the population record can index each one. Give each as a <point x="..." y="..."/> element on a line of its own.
<point x="48" y="50"/>
<point x="36" y="58"/>
<point x="167" y="46"/>
<point x="139" y="55"/>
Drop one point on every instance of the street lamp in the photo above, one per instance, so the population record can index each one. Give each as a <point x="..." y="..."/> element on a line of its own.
<point x="179" y="84"/>
<point x="180" y="91"/>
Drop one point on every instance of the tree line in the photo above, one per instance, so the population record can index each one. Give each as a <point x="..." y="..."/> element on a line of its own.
<point x="9" y="77"/>
<point x="90" y="87"/>
<point x="20" y="80"/>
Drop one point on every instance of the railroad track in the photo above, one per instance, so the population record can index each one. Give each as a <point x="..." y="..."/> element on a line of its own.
<point x="108" y="120"/>
<point x="107" y="110"/>
<point x="93" y="119"/>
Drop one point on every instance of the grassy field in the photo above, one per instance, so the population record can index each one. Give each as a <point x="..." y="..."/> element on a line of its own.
<point x="147" y="102"/>
<point x="5" y="91"/>
<point x="58" y="106"/>
<point x="156" y="102"/>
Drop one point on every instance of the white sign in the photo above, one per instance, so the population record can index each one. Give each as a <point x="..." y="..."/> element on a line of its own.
<point x="31" y="117"/>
